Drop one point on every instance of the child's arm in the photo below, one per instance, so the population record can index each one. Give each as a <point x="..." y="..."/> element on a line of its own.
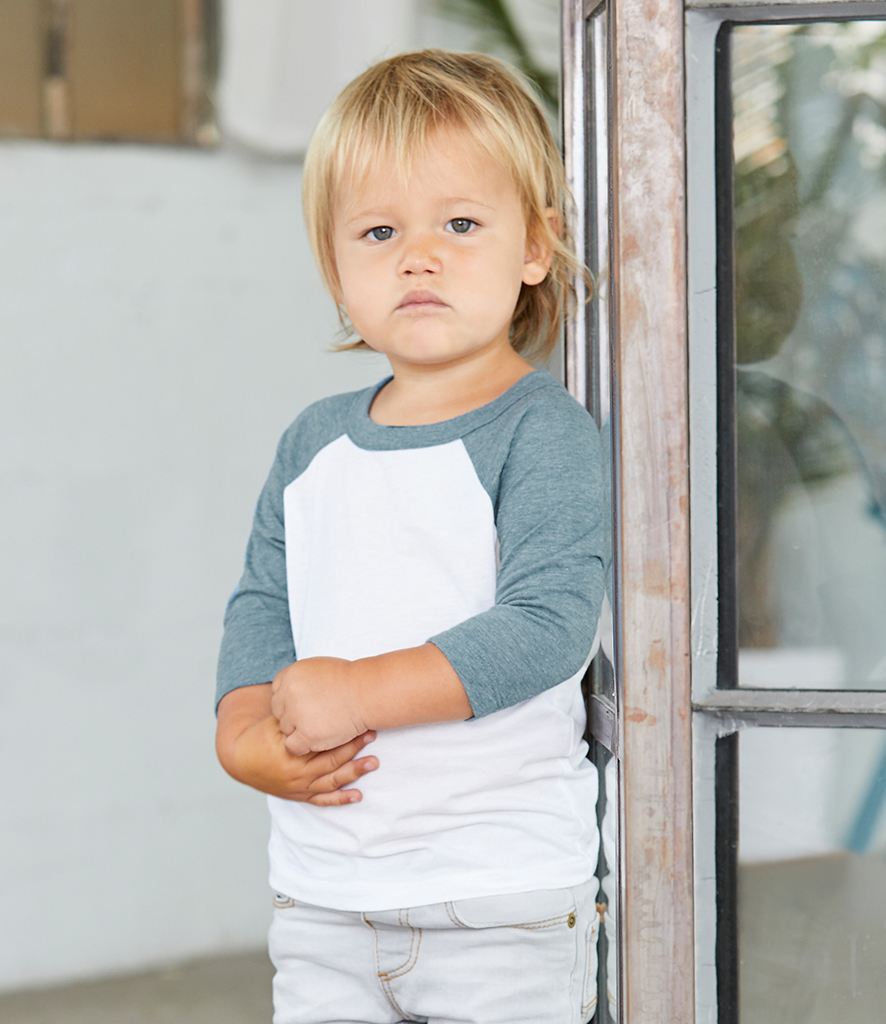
<point x="322" y="702"/>
<point x="250" y="748"/>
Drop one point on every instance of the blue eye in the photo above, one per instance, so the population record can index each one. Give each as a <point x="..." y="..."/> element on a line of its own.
<point x="461" y="225"/>
<point x="380" y="234"/>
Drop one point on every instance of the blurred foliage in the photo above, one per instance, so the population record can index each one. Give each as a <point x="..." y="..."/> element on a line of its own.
<point x="786" y="437"/>
<point x="804" y="418"/>
<point x="499" y="31"/>
<point x="768" y="285"/>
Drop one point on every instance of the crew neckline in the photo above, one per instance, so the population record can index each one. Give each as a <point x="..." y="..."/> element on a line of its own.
<point x="366" y="433"/>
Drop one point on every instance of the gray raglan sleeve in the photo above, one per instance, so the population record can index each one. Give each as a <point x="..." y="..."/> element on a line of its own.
<point x="553" y="550"/>
<point x="257" y="640"/>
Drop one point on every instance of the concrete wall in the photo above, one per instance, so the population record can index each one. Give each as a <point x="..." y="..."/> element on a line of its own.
<point x="161" y="323"/>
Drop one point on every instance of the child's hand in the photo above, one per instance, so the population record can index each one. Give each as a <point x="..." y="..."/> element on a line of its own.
<point x="250" y="748"/>
<point x="315" y="702"/>
<point x="261" y="761"/>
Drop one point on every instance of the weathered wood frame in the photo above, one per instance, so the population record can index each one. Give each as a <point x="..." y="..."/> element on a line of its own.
<point x="668" y="976"/>
<point x="651" y="491"/>
<point x="650" y="389"/>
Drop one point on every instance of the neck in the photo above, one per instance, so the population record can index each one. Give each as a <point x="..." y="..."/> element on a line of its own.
<point x="431" y="394"/>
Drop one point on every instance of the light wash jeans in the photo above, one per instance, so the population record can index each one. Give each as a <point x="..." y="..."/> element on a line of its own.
<point x="528" y="958"/>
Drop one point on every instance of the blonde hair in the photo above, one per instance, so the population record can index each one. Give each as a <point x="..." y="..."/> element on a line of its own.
<point x="394" y="108"/>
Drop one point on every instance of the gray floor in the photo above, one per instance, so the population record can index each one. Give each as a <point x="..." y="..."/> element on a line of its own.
<point x="812" y="941"/>
<point x="223" y="990"/>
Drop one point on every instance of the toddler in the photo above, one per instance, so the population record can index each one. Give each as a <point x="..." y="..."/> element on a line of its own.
<point x="424" y="574"/>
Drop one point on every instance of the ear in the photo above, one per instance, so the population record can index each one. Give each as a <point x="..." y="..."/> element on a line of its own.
<point x="538" y="258"/>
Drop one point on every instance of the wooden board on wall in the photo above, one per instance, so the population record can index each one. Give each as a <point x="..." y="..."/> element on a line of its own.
<point x="124" y="69"/>
<point x="21" y="68"/>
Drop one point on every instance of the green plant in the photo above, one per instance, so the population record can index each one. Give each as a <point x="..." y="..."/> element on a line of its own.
<point x="498" y="29"/>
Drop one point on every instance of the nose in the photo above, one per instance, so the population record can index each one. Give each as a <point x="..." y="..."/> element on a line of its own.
<point x="420" y="255"/>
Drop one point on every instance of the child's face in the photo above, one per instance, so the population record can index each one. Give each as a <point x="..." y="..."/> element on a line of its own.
<point x="431" y="268"/>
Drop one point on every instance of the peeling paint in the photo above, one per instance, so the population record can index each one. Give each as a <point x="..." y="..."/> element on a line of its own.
<point x="639" y="715"/>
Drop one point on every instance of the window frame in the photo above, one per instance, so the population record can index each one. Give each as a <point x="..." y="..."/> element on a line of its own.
<point x="647" y="330"/>
<point x="720" y="709"/>
<point x="663" y="960"/>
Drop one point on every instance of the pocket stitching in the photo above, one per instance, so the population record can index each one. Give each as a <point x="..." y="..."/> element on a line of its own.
<point x="590" y="993"/>
<point x="550" y="922"/>
<point x="536" y="924"/>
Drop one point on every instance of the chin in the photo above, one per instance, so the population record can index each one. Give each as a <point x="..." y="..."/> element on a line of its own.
<point x="427" y="350"/>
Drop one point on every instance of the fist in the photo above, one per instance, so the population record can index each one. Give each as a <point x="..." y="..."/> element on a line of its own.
<point x="316" y="702"/>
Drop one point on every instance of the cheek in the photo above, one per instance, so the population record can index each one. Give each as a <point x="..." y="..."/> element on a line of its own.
<point x="361" y="304"/>
<point x="511" y="276"/>
<point x="511" y="263"/>
<point x="353" y="280"/>
<point x="500" y="268"/>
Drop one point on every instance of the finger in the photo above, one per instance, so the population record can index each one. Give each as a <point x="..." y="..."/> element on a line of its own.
<point x="345" y="775"/>
<point x="328" y="760"/>
<point x="277" y="705"/>
<point x="287" y="726"/>
<point x="337" y="798"/>
<point x="284" y="718"/>
<point x="295" y="743"/>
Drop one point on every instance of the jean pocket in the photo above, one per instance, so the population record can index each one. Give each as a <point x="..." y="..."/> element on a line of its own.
<point x="541" y="908"/>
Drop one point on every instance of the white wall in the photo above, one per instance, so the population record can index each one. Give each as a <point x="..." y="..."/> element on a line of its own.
<point x="284" y="60"/>
<point x="161" y="323"/>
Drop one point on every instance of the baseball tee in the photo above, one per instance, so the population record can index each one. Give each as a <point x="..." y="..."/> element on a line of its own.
<point x="484" y="535"/>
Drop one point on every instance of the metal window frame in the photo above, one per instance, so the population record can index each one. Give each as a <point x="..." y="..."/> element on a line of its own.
<point x="709" y="278"/>
<point x="720" y="709"/>
<point x="710" y="333"/>
<point x="580" y="141"/>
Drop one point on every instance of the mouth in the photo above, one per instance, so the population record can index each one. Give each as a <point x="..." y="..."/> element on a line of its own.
<point x="420" y="300"/>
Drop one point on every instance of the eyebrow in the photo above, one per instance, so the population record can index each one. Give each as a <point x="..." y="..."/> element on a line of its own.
<point x="382" y="212"/>
<point x="363" y="214"/>
<point x="464" y="199"/>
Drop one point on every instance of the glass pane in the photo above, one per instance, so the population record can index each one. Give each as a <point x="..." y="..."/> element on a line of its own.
<point x="809" y="108"/>
<point x="812" y="876"/>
